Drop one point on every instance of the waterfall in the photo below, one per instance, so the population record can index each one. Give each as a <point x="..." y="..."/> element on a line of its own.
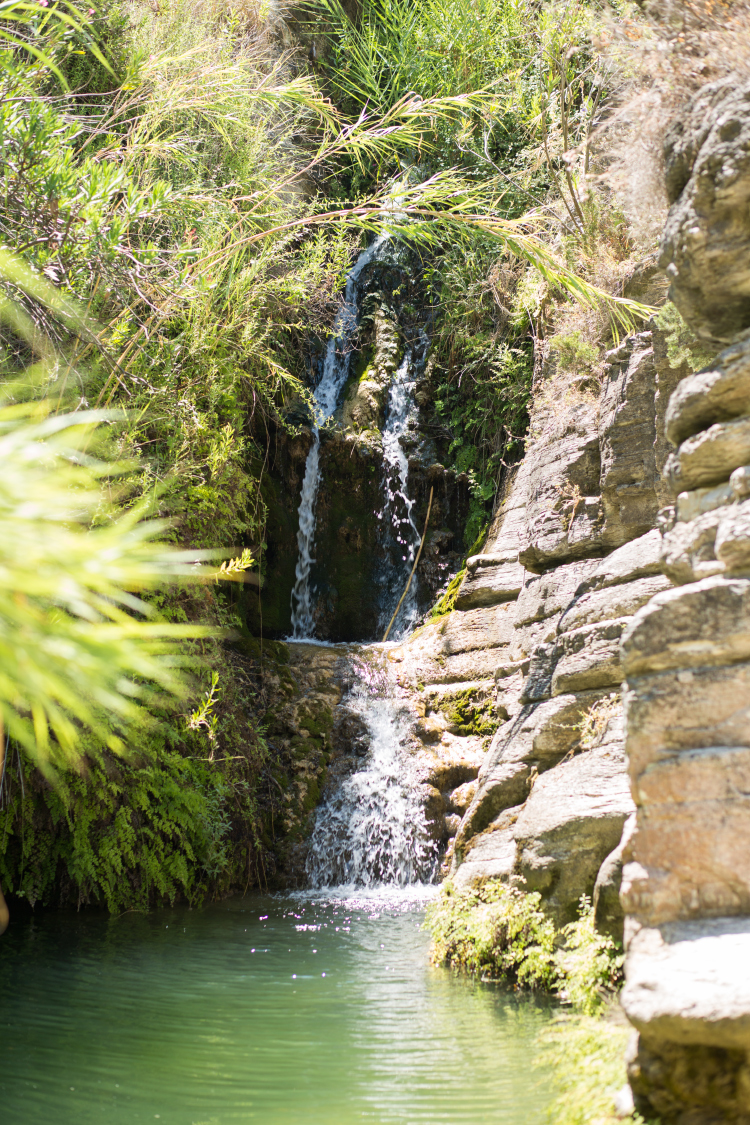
<point x="400" y="532"/>
<point x="371" y="831"/>
<point x="335" y="374"/>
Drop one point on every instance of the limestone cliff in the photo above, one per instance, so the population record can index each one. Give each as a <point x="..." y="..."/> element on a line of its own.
<point x="571" y="556"/>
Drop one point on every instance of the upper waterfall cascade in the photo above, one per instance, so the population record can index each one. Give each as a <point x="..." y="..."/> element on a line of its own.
<point x="399" y="537"/>
<point x="335" y="374"/>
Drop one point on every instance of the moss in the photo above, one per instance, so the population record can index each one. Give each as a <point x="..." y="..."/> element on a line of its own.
<point x="470" y="712"/>
<point x="316" y="719"/>
<point x="447" y="602"/>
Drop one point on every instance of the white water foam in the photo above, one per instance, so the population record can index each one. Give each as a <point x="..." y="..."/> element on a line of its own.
<point x="372" y="830"/>
<point x="397" y="512"/>
<point x="335" y="374"/>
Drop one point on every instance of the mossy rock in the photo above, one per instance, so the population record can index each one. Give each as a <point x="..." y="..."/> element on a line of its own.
<point x="470" y="712"/>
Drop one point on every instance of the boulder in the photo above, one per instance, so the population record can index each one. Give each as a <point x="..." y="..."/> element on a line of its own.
<point x="489" y="583"/>
<point x="490" y="855"/>
<point x="732" y="542"/>
<point x="609" y="916"/>
<point x="563" y="512"/>
<point x="704" y="623"/>
<point x="687" y="982"/>
<point x="710" y="456"/>
<point x="715" y="394"/>
<point x="639" y="558"/>
<point x="532" y="742"/>
<point x="691" y="854"/>
<point x="626" y="440"/>
<point x="544" y="595"/>
<point x="589" y="657"/>
<point x="571" y="822"/>
<point x="688" y="550"/>
<point x="685" y="710"/>
<point x="705" y="248"/>
<point x="611" y="602"/>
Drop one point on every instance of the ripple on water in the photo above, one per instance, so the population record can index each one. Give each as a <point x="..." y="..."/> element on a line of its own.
<point x="319" y="1007"/>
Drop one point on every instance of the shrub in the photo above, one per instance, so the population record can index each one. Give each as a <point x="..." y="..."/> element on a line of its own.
<point x="500" y="932"/>
<point x="496" y="931"/>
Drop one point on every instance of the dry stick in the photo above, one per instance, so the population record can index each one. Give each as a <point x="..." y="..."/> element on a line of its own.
<point x="419" y="552"/>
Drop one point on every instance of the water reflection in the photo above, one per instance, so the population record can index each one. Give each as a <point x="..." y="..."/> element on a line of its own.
<point x="280" y="1010"/>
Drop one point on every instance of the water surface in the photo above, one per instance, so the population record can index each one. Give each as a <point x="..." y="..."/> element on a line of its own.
<point x="270" y="1009"/>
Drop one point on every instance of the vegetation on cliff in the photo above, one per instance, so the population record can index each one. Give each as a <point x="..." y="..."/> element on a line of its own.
<point x="200" y="193"/>
<point x="499" y="932"/>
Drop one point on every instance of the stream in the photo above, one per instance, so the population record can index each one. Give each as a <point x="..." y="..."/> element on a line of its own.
<point x="316" y="1009"/>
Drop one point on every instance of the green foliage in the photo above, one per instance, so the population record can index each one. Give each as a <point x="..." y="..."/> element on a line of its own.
<point x="47" y="32"/>
<point x="573" y="352"/>
<point x="586" y="1059"/>
<point x="498" y="931"/>
<point x="123" y="834"/>
<point x="74" y="646"/>
<point x="683" y="346"/>
<point x="589" y="964"/>
<point x="495" y="931"/>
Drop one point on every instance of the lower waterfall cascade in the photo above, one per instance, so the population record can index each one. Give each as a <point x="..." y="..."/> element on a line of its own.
<point x="371" y="830"/>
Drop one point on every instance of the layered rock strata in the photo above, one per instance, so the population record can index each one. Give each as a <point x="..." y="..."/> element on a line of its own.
<point x="534" y="642"/>
<point x="686" y="656"/>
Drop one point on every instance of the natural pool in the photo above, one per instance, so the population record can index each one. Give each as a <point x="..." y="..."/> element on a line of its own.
<point x="281" y="1010"/>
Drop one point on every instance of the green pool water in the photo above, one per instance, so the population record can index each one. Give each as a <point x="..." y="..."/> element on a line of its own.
<point x="263" y="1009"/>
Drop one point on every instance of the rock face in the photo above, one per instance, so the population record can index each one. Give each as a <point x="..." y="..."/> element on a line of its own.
<point x="571" y="557"/>
<point x="706" y="243"/>
<point x="686" y="658"/>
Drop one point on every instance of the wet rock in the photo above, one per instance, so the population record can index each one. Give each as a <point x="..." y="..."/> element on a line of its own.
<point x="433" y="803"/>
<point x="461" y="797"/>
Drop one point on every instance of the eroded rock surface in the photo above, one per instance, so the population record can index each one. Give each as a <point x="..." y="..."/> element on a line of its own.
<point x="686" y="658"/>
<point x="530" y="657"/>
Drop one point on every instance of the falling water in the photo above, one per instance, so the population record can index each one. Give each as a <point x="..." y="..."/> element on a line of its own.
<point x="400" y="531"/>
<point x="372" y="830"/>
<point x="335" y="374"/>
